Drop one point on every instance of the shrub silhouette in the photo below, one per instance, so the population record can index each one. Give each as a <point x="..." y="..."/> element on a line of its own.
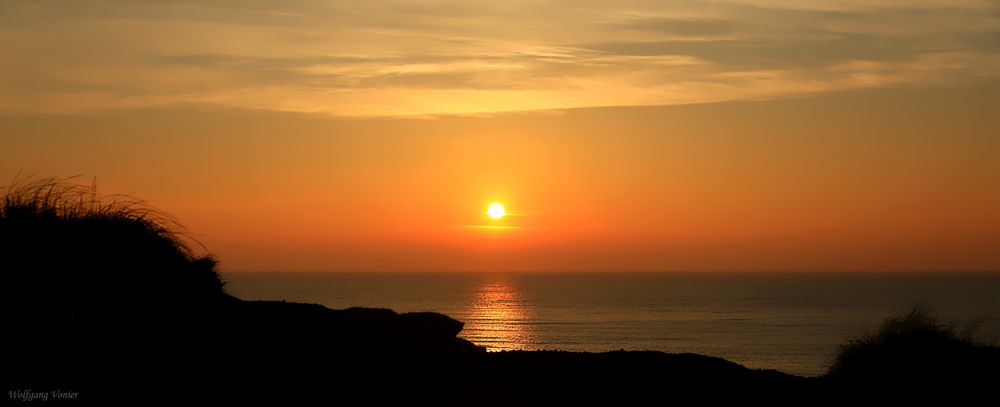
<point x="67" y="253"/>
<point x="915" y="349"/>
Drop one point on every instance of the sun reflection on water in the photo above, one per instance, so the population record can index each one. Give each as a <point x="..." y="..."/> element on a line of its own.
<point x="498" y="318"/>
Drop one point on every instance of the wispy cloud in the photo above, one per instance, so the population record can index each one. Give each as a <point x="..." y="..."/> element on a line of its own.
<point x="362" y="58"/>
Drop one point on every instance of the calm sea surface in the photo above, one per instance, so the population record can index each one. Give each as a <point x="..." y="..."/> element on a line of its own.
<point x="786" y="321"/>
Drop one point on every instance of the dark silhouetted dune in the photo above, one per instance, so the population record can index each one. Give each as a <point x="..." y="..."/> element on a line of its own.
<point x="916" y="351"/>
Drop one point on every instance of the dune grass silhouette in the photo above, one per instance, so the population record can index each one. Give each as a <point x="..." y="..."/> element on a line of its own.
<point x="71" y="252"/>
<point x="916" y="349"/>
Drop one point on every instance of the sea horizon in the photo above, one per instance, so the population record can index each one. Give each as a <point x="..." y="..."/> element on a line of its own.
<point x="787" y="321"/>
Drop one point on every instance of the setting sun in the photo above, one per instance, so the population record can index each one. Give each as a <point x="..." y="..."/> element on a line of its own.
<point x="496" y="210"/>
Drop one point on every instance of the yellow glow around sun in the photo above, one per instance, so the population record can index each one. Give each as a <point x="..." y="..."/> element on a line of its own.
<point x="496" y="210"/>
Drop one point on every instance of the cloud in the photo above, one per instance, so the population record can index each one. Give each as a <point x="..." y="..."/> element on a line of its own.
<point x="679" y="27"/>
<point x="461" y="57"/>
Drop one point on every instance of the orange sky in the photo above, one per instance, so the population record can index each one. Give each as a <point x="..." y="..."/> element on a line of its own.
<point x="630" y="135"/>
<point x="887" y="180"/>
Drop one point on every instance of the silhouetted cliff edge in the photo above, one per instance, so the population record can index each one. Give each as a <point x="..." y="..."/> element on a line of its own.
<point x="107" y="301"/>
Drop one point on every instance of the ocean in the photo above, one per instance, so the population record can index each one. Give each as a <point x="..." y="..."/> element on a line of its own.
<point x="793" y="322"/>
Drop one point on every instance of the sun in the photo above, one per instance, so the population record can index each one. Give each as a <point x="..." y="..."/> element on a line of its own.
<point x="496" y="210"/>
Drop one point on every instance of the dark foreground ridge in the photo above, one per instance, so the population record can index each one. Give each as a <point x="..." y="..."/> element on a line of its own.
<point x="106" y="304"/>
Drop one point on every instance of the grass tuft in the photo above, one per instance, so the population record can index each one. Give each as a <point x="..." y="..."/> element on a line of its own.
<point x="62" y="244"/>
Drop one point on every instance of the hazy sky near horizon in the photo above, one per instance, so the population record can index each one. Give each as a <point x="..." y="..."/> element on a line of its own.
<point x="621" y="135"/>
